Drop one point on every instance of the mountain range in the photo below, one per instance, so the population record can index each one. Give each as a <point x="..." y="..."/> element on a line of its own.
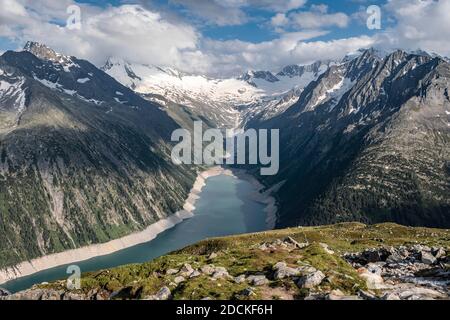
<point x="84" y="159"/>
<point x="368" y="141"/>
<point x="85" y="150"/>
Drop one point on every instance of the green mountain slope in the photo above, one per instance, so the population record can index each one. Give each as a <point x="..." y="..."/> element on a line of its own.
<point x="74" y="171"/>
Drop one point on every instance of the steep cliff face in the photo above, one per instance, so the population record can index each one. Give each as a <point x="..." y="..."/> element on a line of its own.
<point x="83" y="158"/>
<point x="368" y="141"/>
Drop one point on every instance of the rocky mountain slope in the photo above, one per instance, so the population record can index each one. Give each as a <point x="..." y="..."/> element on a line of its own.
<point x="83" y="158"/>
<point x="367" y="141"/>
<point x="220" y="103"/>
<point x="349" y="261"/>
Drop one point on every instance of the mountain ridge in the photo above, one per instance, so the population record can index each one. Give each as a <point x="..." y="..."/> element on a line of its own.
<point x="77" y="166"/>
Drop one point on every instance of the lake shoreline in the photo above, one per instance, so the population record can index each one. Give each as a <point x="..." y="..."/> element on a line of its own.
<point x="27" y="268"/>
<point x="33" y="266"/>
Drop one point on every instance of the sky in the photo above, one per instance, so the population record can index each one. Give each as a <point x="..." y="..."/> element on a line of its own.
<point x="223" y="38"/>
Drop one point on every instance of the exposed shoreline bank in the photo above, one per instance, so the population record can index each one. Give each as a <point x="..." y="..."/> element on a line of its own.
<point x="28" y="268"/>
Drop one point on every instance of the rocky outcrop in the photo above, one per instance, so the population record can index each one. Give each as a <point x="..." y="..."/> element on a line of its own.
<point x="300" y="263"/>
<point x="404" y="273"/>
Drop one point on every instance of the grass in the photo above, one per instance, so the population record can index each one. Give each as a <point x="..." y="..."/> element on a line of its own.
<point x="241" y="255"/>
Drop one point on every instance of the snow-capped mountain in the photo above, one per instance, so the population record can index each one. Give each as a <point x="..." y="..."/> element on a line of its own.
<point x="224" y="103"/>
<point x="367" y="141"/>
<point x="82" y="156"/>
<point x="12" y="97"/>
<point x="211" y="99"/>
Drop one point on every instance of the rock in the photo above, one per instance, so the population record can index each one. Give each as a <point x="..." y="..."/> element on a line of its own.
<point x="439" y="253"/>
<point x="292" y="241"/>
<point x="212" y="256"/>
<point x="51" y="295"/>
<point x="248" y="292"/>
<point x="240" y="278"/>
<point x="374" y="268"/>
<point x="257" y="280"/>
<point x="283" y="271"/>
<point x="427" y="258"/>
<point x="179" y="279"/>
<point x="367" y="295"/>
<point x="208" y="269"/>
<point x="390" y="296"/>
<point x="73" y="296"/>
<point x="220" y="273"/>
<point x="339" y="295"/>
<point x="206" y="298"/>
<point x="408" y="291"/>
<point x="279" y="265"/>
<point x="171" y="271"/>
<point x="195" y="274"/>
<point x="163" y="294"/>
<point x="186" y="270"/>
<point x="4" y="292"/>
<point x="418" y="248"/>
<point x="326" y="248"/>
<point x="30" y="294"/>
<point x="101" y="295"/>
<point x="374" y="281"/>
<point x="311" y="280"/>
<point x="375" y="255"/>
<point x="306" y="269"/>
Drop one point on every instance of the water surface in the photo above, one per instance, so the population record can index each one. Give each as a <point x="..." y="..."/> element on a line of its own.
<point x="225" y="208"/>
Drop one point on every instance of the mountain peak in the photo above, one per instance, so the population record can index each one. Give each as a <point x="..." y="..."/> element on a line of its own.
<point x="42" y="51"/>
<point x="250" y="75"/>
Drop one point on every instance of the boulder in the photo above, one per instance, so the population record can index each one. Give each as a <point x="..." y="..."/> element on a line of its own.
<point x="195" y="274"/>
<point x="73" y="296"/>
<point x="292" y="241"/>
<point x="311" y="280"/>
<point x="283" y="271"/>
<point x="212" y="256"/>
<point x="326" y="248"/>
<point x="390" y="296"/>
<point x="367" y="295"/>
<point x="337" y="295"/>
<point x="51" y="295"/>
<point x="220" y="273"/>
<point x="248" y="292"/>
<point x="374" y="281"/>
<point x="427" y="258"/>
<point x="4" y="292"/>
<point x="257" y="280"/>
<point x="171" y="271"/>
<point x="439" y="253"/>
<point x="163" y="294"/>
<point x="408" y="291"/>
<point x="208" y="269"/>
<point x="179" y="279"/>
<point x="186" y="270"/>
<point x="240" y="278"/>
<point x="374" y="268"/>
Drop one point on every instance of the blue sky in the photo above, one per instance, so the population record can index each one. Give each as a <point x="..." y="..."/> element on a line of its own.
<point x="224" y="36"/>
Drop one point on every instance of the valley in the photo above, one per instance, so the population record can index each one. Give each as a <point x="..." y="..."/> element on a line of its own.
<point x="85" y="151"/>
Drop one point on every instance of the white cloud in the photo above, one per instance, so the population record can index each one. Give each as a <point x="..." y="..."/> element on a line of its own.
<point x="129" y="30"/>
<point x="231" y="57"/>
<point x="318" y="17"/>
<point x="420" y="24"/>
<point x="146" y="36"/>
<point x="279" y="20"/>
